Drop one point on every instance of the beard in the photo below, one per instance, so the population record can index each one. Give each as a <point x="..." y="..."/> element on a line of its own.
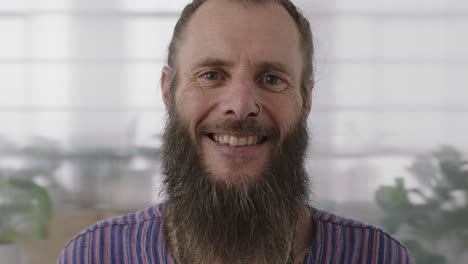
<point x="251" y="221"/>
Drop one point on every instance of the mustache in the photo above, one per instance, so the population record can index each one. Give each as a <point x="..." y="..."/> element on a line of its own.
<point x="244" y="126"/>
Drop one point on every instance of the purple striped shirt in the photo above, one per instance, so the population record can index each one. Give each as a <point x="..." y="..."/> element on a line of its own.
<point x="138" y="238"/>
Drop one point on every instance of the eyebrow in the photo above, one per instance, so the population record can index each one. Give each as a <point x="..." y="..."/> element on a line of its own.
<point x="262" y="66"/>
<point x="211" y="62"/>
<point x="274" y="66"/>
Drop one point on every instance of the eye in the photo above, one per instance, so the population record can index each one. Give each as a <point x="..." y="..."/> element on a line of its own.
<point x="211" y="76"/>
<point x="272" y="79"/>
<point x="274" y="82"/>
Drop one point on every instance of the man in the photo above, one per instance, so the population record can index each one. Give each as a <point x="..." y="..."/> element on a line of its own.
<point x="238" y="92"/>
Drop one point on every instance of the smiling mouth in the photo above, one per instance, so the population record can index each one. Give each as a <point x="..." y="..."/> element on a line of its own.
<point x="237" y="141"/>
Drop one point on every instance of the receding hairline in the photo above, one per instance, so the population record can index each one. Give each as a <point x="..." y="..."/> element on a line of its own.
<point x="302" y="24"/>
<point x="218" y="12"/>
<point x="245" y="3"/>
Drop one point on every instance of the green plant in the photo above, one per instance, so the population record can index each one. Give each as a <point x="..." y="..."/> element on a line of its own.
<point x="437" y="209"/>
<point x="25" y="210"/>
<point x="25" y="207"/>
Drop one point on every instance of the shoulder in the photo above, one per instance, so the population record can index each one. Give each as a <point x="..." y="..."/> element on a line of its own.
<point x="114" y="236"/>
<point x="351" y="240"/>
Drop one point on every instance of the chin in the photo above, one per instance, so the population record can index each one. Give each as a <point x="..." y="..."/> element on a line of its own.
<point x="231" y="178"/>
<point x="236" y="170"/>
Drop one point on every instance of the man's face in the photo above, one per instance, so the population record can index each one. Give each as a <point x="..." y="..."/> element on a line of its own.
<point x="231" y="59"/>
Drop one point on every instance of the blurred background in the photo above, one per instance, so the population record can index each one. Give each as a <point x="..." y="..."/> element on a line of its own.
<point x="81" y="117"/>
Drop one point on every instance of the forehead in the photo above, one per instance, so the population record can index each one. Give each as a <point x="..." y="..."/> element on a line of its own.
<point x="240" y="33"/>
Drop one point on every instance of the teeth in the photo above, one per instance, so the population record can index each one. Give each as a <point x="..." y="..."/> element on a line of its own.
<point x="236" y="141"/>
<point x="242" y="141"/>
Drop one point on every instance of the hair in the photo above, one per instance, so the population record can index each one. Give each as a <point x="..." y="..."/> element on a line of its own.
<point x="301" y="22"/>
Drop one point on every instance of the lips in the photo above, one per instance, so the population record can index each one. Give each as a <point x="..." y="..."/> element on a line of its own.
<point x="237" y="141"/>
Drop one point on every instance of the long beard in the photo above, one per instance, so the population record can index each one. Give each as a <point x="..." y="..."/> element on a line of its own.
<point x="247" y="222"/>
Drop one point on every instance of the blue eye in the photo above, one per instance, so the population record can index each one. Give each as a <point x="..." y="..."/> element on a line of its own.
<point x="272" y="79"/>
<point x="211" y="76"/>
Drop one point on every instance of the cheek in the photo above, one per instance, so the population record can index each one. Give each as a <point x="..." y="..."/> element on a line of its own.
<point x="194" y="106"/>
<point x="286" y="107"/>
<point x="294" y="99"/>
<point x="286" y="113"/>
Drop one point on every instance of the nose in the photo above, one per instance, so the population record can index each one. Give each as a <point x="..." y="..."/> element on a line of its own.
<point x="240" y="100"/>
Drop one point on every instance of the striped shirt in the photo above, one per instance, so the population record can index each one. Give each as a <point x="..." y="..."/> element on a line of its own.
<point x="138" y="238"/>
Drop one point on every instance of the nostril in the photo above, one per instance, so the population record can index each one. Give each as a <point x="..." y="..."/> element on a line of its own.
<point x="244" y="111"/>
<point x="258" y="109"/>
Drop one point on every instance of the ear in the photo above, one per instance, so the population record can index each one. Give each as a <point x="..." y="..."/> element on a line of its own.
<point x="166" y="78"/>
<point x="309" y="96"/>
